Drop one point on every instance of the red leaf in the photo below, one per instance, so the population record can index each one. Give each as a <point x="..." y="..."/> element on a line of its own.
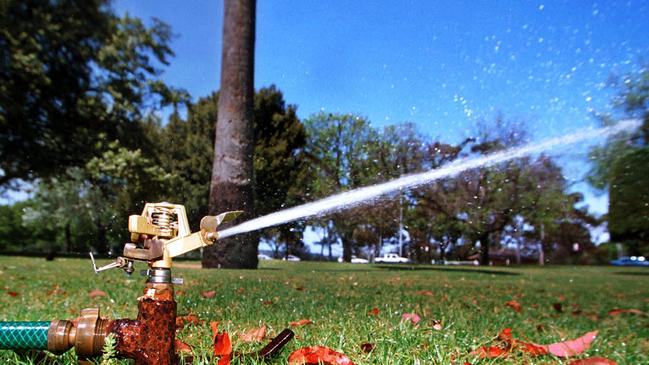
<point x="208" y="294"/>
<point x="596" y="360"/>
<point x="182" y="347"/>
<point x="558" y="307"/>
<point x="618" y="311"/>
<point x="513" y="304"/>
<point x="301" y="322"/>
<point x="373" y="312"/>
<point x="318" y="355"/>
<point x="490" y="352"/>
<point x="572" y="347"/>
<point x="224" y="360"/>
<point x="12" y="293"/>
<point x="222" y="345"/>
<point x="253" y="335"/>
<point x="367" y="347"/>
<point x="412" y="317"/>
<point x="97" y="293"/>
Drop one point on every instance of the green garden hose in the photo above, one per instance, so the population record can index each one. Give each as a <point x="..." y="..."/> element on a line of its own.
<point x="24" y="335"/>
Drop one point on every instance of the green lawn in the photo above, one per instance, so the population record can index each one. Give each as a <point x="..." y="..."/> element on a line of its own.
<point x="337" y="297"/>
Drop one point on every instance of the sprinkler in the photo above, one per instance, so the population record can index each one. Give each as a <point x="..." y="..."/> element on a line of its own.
<point x="159" y="234"/>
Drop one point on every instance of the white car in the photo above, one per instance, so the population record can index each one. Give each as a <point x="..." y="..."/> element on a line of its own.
<point x="355" y="260"/>
<point x="391" y="258"/>
<point x="291" y="258"/>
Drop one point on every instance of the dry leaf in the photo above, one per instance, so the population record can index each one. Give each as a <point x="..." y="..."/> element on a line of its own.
<point x="367" y="347"/>
<point x="437" y="325"/>
<point x="182" y="347"/>
<point x="97" y="293"/>
<point x="373" y="312"/>
<point x="14" y="294"/>
<point x="208" y="294"/>
<point x="214" y="326"/>
<point x="618" y="311"/>
<point x="426" y="293"/>
<point x="572" y="347"/>
<point x="515" y="305"/>
<point x="301" y="322"/>
<point x="318" y="355"/>
<point x="253" y="335"/>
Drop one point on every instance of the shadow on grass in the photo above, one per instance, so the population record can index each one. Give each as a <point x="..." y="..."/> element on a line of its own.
<point x="445" y="269"/>
<point x="632" y="273"/>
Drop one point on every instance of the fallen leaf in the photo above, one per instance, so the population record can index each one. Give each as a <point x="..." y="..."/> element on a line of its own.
<point x="412" y="317"/>
<point x="14" y="294"/>
<point x="208" y="294"/>
<point x="373" y="312"/>
<point x="490" y="352"/>
<point x="426" y="293"/>
<point x="241" y="290"/>
<point x="301" y="322"/>
<point x="299" y="288"/>
<point x="515" y="305"/>
<point x="253" y="335"/>
<point x="558" y="307"/>
<point x="222" y="345"/>
<point x="572" y="347"/>
<point x="214" y="326"/>
<point x="224" y="360"/>
<point x="188" y="319"/>
<point x="268" y="302"/>
<point x="618" y="311"/>
<point x="595" y="360"/>
<point x="182" y="347"/>
<point x="318" y="355"/>
<point x="367" y="347"/>
<point x="437" y="325"/>
<point x="97" y="293"/>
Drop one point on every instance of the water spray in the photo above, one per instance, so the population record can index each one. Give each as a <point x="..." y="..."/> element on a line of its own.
<point x="159" y="234"/>
<point x="355" y="197"/>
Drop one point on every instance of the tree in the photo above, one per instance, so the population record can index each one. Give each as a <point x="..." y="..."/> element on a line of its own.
<point x="629" y="196"/>
<point x="232" y="176"/>
<point x="620" y="163"/>
<point x="338" y="150"/>
<point x="73" y="73"/>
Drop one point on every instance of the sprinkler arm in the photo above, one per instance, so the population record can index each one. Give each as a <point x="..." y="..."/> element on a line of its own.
<point x="157" y="246"/>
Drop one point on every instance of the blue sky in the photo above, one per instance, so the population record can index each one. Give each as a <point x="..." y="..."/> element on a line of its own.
<point x="440" y="64"/>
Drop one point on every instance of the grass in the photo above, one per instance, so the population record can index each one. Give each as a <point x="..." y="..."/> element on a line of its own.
<point x="337" y="297"/>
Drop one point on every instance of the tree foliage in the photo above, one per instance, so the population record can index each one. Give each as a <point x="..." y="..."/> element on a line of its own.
<point x="72" y="72"/>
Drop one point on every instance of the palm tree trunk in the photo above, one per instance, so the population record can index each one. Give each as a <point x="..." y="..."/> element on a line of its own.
<point x="232" y="175"/>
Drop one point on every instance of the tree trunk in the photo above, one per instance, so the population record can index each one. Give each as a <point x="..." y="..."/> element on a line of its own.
<point x="484" y="249"/>
<point x="232" y="174"/>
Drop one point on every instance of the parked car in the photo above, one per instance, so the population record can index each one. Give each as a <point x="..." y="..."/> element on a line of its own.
<point x="391" y="258"/>
<point x="631" y="261"/>
<point x="355" y="260"/>
<point x="262" y="256"/>
<point x="291" y="258"/>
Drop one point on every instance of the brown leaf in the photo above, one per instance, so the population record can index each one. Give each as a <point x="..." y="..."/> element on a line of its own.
<point x="253" y="335"/>
<point x="12" y="293"/>
<point x="208" y="294"/>
<point x="191" y="319"/>
<point x="426" y="293"/>
<point x="182" y="347"/>
<point x="618" y="311"/>
<point x="318" y="355"/>
<point x="301" y="322"/>
<point x="299" y="288"/>
<point x="373" y="312"/>
<point x="97" y="293"/>
<point x="490" y="352"/>
<point x="514" y="305"/>
<point x="214" y="326"/>
<point x="367" y="347"/>
<point x="595" y="360"/>
<point x="558" y="307"/>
